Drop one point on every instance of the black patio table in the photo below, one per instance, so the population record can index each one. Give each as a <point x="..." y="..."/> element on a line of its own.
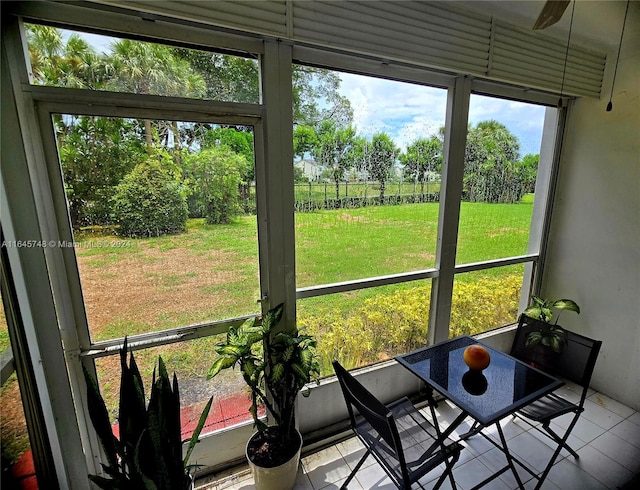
<point x="487" y="396"/>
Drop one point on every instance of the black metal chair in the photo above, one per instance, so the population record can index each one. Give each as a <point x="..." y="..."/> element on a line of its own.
<point x="575" y="362"/>
<point x="405" y="444"/>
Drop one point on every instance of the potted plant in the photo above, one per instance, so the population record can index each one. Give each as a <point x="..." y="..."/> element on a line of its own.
<point x="553" y="336"/>
<point x="276" y="365"/>
<point x="148" y="453"/>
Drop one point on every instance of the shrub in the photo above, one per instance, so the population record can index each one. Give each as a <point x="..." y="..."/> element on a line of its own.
<point x="391" y="324"/>
<point x="214" y="175"/>
<point x="149" y="202"/>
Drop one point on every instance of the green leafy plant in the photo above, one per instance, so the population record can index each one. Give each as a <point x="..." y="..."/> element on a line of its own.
<point x="148" y="453"/>
<point x="552" y="336"/>
<point x="149" y="201"/>
<point x="276" y="365"/>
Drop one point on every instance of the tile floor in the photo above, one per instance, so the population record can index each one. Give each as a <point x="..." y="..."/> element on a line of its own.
<point x="607" y="438"/>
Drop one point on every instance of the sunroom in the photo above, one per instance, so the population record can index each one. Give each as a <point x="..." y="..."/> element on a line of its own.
<point x="372" y="264"/>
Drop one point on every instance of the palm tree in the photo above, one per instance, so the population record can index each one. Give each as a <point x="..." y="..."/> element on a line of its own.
<point x="55" y="62"/>
<point x="146" y="68"/>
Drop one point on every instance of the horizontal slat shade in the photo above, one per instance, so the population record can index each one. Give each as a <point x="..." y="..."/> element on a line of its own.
<point x="432" y="34"/>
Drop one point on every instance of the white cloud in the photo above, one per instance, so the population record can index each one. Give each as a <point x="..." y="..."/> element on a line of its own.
<point x="407" y="111"/>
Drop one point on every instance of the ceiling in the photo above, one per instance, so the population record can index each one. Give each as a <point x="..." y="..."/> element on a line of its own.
<point x="596" y="24"/>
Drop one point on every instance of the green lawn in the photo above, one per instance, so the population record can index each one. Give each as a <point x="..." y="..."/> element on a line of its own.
<point x="211" y="271"/>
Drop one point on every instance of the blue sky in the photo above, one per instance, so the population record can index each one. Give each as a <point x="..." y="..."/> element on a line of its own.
<point x="406" y="111"/>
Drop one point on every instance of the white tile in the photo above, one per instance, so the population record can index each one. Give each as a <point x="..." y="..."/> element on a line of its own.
<point x="511" y="427"/>
<point x="568" y="476"/>
<point x="319" y="458"/>
<point x="325" y="467"/>
<point x="600" y="415"/>
<point x="611" y="405"/>
<point x="470" y="474"/>
<point x="628" y="431"/>
<point x="353" y="485"/>
<point x="546" y="485"/>
<point x="618" y="450"/>
<point x="602" y="468"/>
<point x="529" y="449"/>
<point x="635" y="418"/>
<point x="495" y="460"/>
<point x="477" y="445"/>
<point x="374" y="477"/>
<point x="585" y="429"/>
<point x="574" y="442"/>
<point x="430" y="485"/>
<point x="302" y="481"/>
<point x="352" y="451"/>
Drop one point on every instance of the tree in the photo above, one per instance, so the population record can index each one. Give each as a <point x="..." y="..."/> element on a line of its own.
<point x="214" y="175"/>
<point x="382" y="158"/>
<point x="236" y="140"/>
<point x="149" y="201"/>
<point x="528" y="167"/>
<point x="332" y="149"/>
<point x="72" y="64"/>
<point x="490" y="173"/>
<point x="316" y="98"/>
<point x="421" y="157"/>
<point x="305" y="140"/>
<point x="145" y="68"/>
<point x="95" y="154"/>
<point x="227" y="78"/>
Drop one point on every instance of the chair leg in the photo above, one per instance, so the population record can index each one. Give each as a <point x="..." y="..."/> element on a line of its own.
<point x="559" y="440"/>
<point x="355" y="470"/>
<point x="562" y="443"/>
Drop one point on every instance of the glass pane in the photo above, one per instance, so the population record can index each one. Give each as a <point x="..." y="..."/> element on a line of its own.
<point x="484" y="300"/>
<point x="164" y="229"/>
<point x="190" y="361"/>
<point x="367" y="177"/>
<point x="367" y="326"/>
<point x="501" y="163"/>
<point x="74" y="59"/>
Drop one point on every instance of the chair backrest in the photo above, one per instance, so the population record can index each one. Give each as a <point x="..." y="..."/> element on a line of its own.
<point x="367" y="405"/>
<point x="575" y="362"/>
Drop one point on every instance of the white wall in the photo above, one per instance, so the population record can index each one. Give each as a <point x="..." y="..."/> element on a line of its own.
<point x="594" y="251"/>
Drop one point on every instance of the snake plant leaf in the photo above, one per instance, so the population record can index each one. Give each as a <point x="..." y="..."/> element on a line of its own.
<point x="100" y="419"/>
<point x="196" y="433"/>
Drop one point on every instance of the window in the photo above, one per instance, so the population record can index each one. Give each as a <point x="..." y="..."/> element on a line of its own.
<point x="366" y="209"/>
<point x="75" y="59"/>
<point x="502" y="158"/>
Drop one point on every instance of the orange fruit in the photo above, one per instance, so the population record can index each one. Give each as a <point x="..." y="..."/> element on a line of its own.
<point x="476" y="357"/>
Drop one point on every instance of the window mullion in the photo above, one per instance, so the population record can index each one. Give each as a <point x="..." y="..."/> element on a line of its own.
<point x="449" y="217"/>
<point x="275" y="179"/>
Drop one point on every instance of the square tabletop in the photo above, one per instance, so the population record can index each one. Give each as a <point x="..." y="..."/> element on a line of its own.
<point x="505" y="386"/>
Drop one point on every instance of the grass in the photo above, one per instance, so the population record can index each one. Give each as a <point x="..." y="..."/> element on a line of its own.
<point x="211" y="271"/>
